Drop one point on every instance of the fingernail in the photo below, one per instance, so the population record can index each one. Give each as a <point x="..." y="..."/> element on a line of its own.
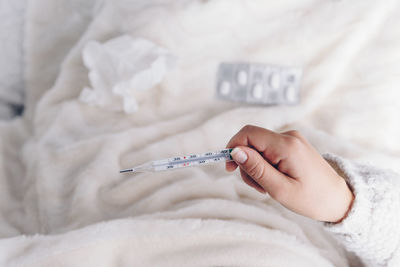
<point x="239" y="155"/>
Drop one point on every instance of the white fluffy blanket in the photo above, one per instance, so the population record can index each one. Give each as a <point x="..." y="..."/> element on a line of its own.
<point x="62" y="200"/>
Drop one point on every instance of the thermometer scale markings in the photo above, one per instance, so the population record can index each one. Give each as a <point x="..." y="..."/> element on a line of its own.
<point x="182" y="161"/>
<point x="191" y="160"/>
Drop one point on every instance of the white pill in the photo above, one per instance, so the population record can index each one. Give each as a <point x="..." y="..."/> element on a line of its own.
<point x="257" y="91"/>
<point x="225" y="88"/>
<point x="275" y="80"/>
<point x="242" y="77"/>
<point x="291" y="94"/>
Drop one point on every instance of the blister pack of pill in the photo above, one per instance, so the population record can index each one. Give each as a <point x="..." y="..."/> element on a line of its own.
<point x="255" y="83"/>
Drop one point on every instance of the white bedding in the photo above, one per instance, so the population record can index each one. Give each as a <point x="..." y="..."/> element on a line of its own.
<point x="12" y="17"/>
<point x="62" y="200"/>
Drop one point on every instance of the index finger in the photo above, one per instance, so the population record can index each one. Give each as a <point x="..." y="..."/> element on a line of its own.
<point x="256" y="137"/>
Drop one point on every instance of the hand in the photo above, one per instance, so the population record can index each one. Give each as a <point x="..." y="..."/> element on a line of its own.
<point x="291" y="171"/>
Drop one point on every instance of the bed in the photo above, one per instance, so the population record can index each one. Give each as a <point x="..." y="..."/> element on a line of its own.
<point x="63" y="201"/>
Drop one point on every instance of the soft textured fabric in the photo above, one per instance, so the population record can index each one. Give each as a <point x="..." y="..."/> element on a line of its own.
<point x="371" y="229"/>
<point x="12" y="18"/>
<point x="62" y="200"/>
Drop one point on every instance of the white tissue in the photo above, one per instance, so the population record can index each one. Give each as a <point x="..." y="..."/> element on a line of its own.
<point x="121" y="68"/>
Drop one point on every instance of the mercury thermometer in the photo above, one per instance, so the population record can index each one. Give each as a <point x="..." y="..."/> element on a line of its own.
<point x="183" y="161"/>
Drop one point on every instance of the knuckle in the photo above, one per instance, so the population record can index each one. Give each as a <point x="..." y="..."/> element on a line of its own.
<point x="256" y="170"/>
<point x="247" y="128"/>
<point x="293" y="143"/>
<point x="274" y="158"/>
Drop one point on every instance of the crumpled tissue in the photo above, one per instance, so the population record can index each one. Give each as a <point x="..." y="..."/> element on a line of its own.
<point x="121" y="67"/>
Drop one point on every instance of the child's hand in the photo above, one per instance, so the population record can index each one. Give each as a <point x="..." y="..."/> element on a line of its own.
<point x="291" y="171"/>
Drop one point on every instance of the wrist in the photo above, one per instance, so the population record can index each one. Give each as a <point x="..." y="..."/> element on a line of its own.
<point x="347" y="206"/>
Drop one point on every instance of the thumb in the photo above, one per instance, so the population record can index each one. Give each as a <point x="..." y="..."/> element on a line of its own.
<point x="263" y="173"/>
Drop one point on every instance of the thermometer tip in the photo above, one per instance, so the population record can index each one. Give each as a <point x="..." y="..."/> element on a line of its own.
<point x="126" y="170"/>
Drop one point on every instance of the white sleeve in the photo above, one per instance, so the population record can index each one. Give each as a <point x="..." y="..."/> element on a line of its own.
<point x="372" y="227"/>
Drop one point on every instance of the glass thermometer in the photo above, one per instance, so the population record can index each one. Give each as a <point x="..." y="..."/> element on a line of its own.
<point x="183" y="161"/>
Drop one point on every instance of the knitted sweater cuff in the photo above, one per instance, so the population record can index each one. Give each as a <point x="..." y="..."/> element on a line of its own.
<point x="370" y="229"/>
<point x="359" y="216"/>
